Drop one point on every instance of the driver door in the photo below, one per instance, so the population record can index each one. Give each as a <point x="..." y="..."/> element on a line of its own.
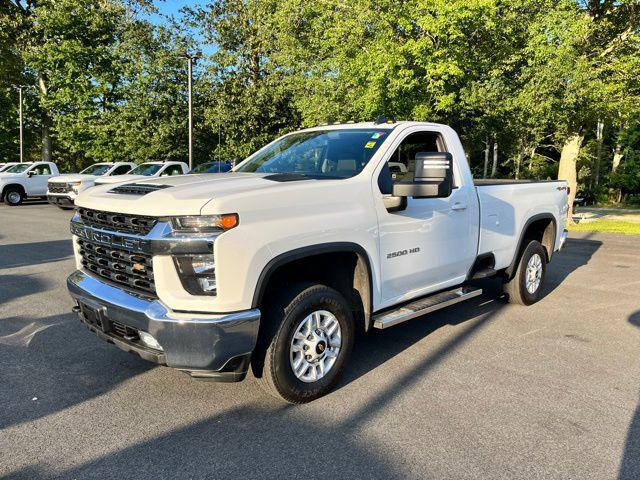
<point x="37" y="184"/>
<point x="425" y="243"/>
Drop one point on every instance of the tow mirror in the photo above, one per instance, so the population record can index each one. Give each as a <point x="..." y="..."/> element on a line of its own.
<point x="31" y="173"/>
<point x="432" y="177"/>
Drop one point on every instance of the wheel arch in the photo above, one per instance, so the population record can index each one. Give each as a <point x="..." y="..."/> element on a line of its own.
<point x="12" y="185"/>
<point x="542" y="227"/>
<point x="292" y="261"/>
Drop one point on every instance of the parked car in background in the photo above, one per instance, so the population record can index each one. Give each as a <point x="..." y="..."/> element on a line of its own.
<point x="7" y="166"/>
<point x="147" y="170"/>
<point x="322" y="233"/>
<point x="212" y="167"/>
<point x="26" y="180"/>
<point x="63" y="189"/>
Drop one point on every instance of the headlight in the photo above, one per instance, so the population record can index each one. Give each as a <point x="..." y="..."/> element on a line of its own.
<point x="74" y="186"/>
<point x="205" y="223"/>
<point x="197" y="273"/>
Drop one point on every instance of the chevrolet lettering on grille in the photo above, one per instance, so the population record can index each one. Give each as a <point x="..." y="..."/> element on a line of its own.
<point x="131" y="244"/>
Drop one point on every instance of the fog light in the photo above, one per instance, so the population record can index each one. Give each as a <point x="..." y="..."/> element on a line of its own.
<point x="148" y="340"/>
<point x="207" y="284"/>
<point x="197" y="273"/>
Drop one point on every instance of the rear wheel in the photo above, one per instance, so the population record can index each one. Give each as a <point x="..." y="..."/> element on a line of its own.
<point x="308" y="338"/>
<point x="13" y="196"/>
<point x="526" y="285"/>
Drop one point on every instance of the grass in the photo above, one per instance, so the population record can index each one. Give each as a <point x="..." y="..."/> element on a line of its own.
<point x="607" y="226"/>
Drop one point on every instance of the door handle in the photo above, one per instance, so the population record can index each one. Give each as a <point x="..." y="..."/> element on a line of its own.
<point x="458" y="206"/>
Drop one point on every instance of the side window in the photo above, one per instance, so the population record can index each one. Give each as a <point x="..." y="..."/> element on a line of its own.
<point x="172" y="170"/>
<point x="42" y="169"/>
<point x="403" y="160"/>
<point x="121" y="170"/>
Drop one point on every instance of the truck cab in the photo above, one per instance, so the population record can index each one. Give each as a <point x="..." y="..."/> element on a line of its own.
<point x="63" y="190"/>
<point x="148" y="170"/>
<point x="26" y="180"/>
<point x="275" y="265"/>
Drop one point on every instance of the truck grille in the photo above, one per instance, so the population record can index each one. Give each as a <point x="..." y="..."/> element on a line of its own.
<point x="59" y="188"/>
<point x="133" y="270"/>
<point x="117" y="222"/>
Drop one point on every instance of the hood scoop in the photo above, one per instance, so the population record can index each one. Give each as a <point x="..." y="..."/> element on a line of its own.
<point x="137" y="189"/>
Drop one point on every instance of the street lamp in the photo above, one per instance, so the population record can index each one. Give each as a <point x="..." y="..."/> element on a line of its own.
<point x="190" y="59"/>
<point x="19" y="89"/>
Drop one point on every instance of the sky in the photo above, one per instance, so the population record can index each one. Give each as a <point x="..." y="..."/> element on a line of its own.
<point x="172" y="7"/>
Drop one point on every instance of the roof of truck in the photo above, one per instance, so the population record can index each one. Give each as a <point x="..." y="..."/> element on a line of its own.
<point x="388" y="125"/>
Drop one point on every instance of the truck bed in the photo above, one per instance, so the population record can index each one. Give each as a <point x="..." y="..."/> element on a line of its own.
<point x="505" y="208"/>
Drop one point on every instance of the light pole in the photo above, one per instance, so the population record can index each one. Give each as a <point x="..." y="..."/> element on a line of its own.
<point x="190" y="59"/>
<point x="19" y="89"/>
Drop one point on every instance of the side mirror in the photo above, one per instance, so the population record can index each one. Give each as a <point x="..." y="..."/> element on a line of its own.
<point x="31" y="173"/>
<point x="432" y="177"/>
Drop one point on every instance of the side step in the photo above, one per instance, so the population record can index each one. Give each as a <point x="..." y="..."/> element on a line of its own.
<point x="424" y="305"/>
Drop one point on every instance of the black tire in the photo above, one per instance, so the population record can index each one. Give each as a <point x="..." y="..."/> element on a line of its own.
<point x="282" y="318"/>
<point x="516" y="288"/>
<point x="13" y="196"/>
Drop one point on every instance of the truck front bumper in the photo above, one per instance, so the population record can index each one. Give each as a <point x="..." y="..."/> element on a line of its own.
<point x="209" y="346"/>
<point x="61" y="199"/>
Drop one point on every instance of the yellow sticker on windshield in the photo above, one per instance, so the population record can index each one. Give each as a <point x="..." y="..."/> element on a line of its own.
<point x="370" y="145"/>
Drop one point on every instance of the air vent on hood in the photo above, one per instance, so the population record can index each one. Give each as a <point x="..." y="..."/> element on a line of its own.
<point x="137" y="189"/>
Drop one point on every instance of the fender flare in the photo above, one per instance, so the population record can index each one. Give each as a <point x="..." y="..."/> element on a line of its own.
<point x="9" y="185"/>
<point x="310" y="251"/>
<point x="510" y="270"/>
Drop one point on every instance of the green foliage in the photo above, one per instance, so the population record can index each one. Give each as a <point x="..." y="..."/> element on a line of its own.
<point x="525" y="74"/>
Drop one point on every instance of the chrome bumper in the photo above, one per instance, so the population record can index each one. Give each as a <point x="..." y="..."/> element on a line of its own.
<point x="213" y="346"/>
<point x="61" y="199"/>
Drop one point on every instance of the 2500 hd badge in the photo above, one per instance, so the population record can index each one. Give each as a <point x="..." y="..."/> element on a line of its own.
<point x="400" y="253"/>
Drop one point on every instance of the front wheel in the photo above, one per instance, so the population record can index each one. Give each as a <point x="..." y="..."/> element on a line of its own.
<point x="526" y="285"/>
<point x="309" y="336"/>
<point x="13" y="197"/>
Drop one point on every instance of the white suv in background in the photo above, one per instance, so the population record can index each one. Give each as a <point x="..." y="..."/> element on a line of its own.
<point x="64" y="189"/>
<point x="148" y="170"/>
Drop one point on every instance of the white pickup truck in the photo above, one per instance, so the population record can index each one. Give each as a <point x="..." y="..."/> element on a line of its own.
<point x="64" y="189"/>
<point x="148" y="170"/>
<point x="274" y="266"/>
<point x="25" y="180"/>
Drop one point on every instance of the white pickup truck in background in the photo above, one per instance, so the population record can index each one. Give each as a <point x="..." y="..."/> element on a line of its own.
<point x="7" y="166"/>
<point x="274" y="265"/>
<point x="63" y="190"/>
<point x="148" y="170"/>
<point x="26" y="180"/>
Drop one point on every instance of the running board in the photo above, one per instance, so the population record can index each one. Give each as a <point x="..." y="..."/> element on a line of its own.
<point x="424" y="305"/>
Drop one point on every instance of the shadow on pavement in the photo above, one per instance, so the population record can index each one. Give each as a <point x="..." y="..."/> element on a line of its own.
<point x="630" y="463"/>
<point x="16" y="286"/>
<point x="24" y="254"/>
<point x="274" y="441"/>
<point x="576" y="253"/>
<point x="66" y="365"/>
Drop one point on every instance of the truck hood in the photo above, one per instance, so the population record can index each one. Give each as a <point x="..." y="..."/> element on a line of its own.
<point x="178" y="195"/>
<point x="8" y="175"/>
<point x="74" y="177"/>
<point x="120" y="178"/>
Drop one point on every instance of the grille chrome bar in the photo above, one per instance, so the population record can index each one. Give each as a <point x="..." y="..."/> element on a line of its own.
<point x="117" y="222"/>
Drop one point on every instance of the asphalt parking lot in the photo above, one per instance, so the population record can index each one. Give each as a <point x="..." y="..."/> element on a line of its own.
<point x="480" y="390"/>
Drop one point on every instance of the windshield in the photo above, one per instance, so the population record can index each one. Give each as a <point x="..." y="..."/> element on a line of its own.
<point x="211" y="167"/>
<point x="146" y="169"/>
<point x="21" y="167"/>
<point x="318" y="154"/>
<point x="97" y="169"/>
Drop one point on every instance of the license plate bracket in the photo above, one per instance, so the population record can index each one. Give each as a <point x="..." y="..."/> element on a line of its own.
<point x="95" y="315"/>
